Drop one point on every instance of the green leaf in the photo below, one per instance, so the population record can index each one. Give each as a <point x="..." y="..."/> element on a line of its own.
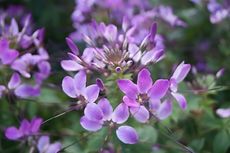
<point x="147" y="134"/>
<point x="197" y="144"/>
<point x="96" y="141"/>
<point x="221" y="142"/>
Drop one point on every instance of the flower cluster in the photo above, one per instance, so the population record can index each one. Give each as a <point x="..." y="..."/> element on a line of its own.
<point x="141" y="100"/>
<point x="22" y="55"/>
<point x="218" y="11"/>
<point x="113" y="51"/>
<point x="30" y="131"/>
<point x="139" y="14"/>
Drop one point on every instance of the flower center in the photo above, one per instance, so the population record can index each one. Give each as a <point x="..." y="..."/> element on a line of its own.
<point x="142" y="98"/>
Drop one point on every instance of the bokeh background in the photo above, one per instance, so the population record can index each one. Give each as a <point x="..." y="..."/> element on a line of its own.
<point x="201" y="43"/>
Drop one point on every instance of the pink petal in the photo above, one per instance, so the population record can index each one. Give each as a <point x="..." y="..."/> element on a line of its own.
<point x="14" y="81"/>
<point x="68" y="86"/>
<point x="181" y="72"/>
<point x="130" y="102"/>
<point x="80" y="80"/>
<point x="13" y="133"/>
<point x="93" y="112"/>
<point x="90" y="125"/>
<point x="127" y="134"/>
<point x="35" y="125"/>
<point x="120" y="114"/>
<point x="72" y="46"/>
<point x="92" y="92"/>
<point x="70" y="65"/>
<point x="141" y="114"/>
<point x="144" y="81"/>
<point x="106" y="108"/>
<point x="181" y="100"/>
<point x="159" y="89"/>
<point x="165" y="110"/>
<point x="128" y="87"/>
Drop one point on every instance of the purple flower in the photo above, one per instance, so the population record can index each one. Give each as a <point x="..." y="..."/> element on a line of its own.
<point x="137" y="96"/>
<point x="98" y="115"/>
<point x="76" y="61"/>
<point x="44" y="145"/>
<point x="20" y="90"/>
<point x="178" y="76"/>
<point x="26" y="129"/>
<point x="218" y="11"/>
<point x="7" y="55"/>
<point x="166" y="13"/>
<point x="76" y="88"/>
<point x="223" y="112"/>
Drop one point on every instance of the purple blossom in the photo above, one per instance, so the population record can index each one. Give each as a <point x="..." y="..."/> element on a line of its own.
<point x="18" y="88"/>
<point x="178" y="76"/>
<point x="137" y="96"/>
<point x="223" y="112"/>
<point x="218" y="12"/>
<point x="76" y="88"/>
<point x="25" y="130"/>
<point x="101" y="114"/>
<point x="44" y="145"/>
<point x="113" y="50"/>
<point x="27" y="63"/>
<point x="140" y="14"/>
<point x="7" y="55"/>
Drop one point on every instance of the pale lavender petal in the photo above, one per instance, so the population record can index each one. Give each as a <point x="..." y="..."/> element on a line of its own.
<point x="54" y="148"/>
<point x="80" y="80"/>
<point x="141" y="114"/>
<point x="70" y="65"/>
<point x="144" y="81"/>
<point x="88" y="55"/>
<point x="93" y="112"/>
<point x="9" y="56"/>
<point x="120" y="114"/>
<point x="111" y="33"/>
<point x="173" y="85"/>
<point x="223" y="112"/>
<point x="127" y="135"/>
<point x="72" y="46"/>
<point x="159" y="89"/>
<point x="130" y="102"/>
<point x="154" y="104"/>
<point x="15" y="80"/>
<point x="35" y="125"/>
<point x="181" y="100"/>
<point x="68" y="86"/>
<point x="128" y="87"/>
<point x="14" y="27"/>
<point x="90" y="125"/>
<point x="134" y="52"/>
<point x="25" y="91"/>
<point x="13" y="133"/>
<point x="92" y="92"/>
<point x="181" y="72"/>
<point x="106" y="108"/>
<point x="147" y="57"/>
<point x="43" y="142"/>
<point x="165" y="110"/>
